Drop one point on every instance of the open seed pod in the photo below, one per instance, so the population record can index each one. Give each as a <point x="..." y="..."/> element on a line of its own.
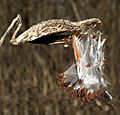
<point x="85" y="76"/>
<point x="55" y="31"/>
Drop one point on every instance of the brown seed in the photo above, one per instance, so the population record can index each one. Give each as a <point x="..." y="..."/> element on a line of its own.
<point x="85" y="90"/>
<point x="79" y="92"/>
<point x="80" y="81"/>
<point x="97" y="93"/>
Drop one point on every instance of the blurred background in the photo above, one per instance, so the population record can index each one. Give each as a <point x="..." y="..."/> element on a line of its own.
<point x="27" y="72"/>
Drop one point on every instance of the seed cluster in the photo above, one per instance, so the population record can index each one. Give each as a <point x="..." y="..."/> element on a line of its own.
<point x="85" y="77"/>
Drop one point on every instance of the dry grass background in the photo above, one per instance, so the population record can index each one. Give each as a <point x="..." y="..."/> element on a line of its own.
<point x="27" y="72"/>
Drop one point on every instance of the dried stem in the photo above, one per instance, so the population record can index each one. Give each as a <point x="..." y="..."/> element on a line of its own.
<point x="74" y="7"/>
<point x="17" y="19"/>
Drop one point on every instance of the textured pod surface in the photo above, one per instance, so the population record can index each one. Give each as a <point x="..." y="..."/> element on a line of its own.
<point x="53" y="30"/>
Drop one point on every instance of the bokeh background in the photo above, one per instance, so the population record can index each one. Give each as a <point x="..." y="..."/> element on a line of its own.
<point x="27" y="72"/>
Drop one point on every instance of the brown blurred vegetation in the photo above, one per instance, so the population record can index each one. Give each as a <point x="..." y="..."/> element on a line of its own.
<point x="27" y="72"/>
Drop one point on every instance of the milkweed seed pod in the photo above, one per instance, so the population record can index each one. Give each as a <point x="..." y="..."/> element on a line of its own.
<point x="57" y="30"/>
<point x="47" y="32"/>
<point x="85" y="76"/>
